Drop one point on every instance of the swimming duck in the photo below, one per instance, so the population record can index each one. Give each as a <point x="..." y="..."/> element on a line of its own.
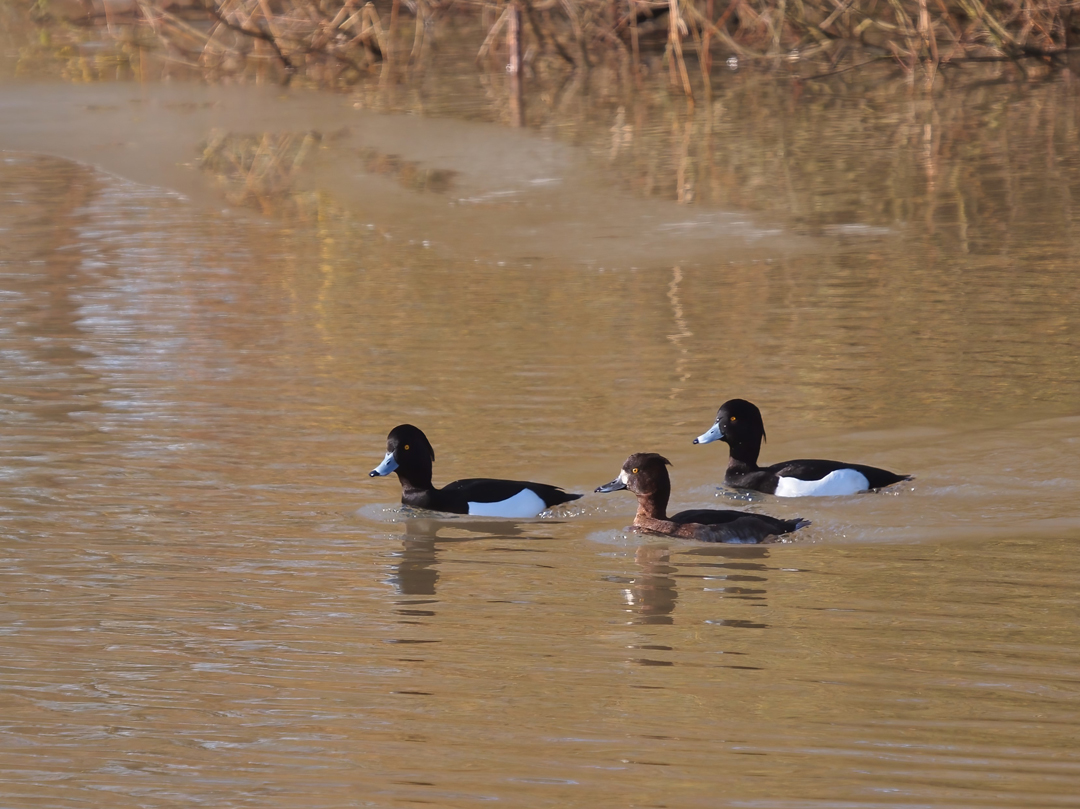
<point x="410" y="454"/>
<point x="739" y="424"/>
<point x="645" y="474"/>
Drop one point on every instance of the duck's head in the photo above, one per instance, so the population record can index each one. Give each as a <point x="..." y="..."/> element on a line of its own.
<point x="737" y="422"/>
<point x="407" y="448"/>
<point x="644" y="473"/>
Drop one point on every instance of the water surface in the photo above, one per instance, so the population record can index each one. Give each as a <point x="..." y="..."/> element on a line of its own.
<point x="205" y="600"/>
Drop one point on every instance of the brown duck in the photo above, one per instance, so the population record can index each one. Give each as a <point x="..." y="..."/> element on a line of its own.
<point x="645" y="474"/>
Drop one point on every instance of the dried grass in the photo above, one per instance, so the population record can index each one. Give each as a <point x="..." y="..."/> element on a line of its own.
<point x="344" y="40"/>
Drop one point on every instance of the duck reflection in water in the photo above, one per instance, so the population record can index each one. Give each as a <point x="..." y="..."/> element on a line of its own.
<point x="652" y="594"/>
<point x="416" y="572"/>
<point x="739" y="576"/>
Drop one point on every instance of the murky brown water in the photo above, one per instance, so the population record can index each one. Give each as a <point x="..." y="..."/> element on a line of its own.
<point x="205" y="600"/>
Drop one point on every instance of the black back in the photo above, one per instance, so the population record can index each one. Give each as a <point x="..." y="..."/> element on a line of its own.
<point x="807" y="469"/>
<point x="455" y="497"/>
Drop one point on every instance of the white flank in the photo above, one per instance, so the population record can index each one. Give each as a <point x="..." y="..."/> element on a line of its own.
<point x="707" y="437"/>
<point x="842" y="481"/>
<point x="525" y="503"/>
<point x="387" y="466"/>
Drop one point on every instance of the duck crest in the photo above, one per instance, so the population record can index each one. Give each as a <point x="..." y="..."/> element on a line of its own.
<point x="415" y="457"/>
<point x="743" y="430"/>
<point x="646" y="476"/>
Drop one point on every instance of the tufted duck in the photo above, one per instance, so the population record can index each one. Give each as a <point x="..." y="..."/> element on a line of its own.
<point x="645" y="474"/>
<point x="409" y="453"/>
<point x="739" y="424"/>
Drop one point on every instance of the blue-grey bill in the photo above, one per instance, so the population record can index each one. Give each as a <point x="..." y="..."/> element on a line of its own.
<point x="710" y="435"/>
<point x="614" y="486"/>
<point x="387" y="466"/>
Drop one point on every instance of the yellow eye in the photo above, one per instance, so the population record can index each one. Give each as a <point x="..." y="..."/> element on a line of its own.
<point x="406" y="447"/>
<point x="730" y="418"/>
<point x="633" y="471"/>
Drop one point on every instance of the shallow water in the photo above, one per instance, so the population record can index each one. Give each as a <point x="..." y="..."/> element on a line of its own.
<point x="205" y="600"/>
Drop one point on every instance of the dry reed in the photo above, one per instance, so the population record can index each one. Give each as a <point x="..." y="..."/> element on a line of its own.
<point x="331" y="41"/>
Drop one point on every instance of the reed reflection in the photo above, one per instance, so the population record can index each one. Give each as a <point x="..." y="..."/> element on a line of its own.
<point x="44" y="203"/>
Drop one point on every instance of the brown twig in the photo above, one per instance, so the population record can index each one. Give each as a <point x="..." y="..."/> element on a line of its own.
<point x="213" y="11"/>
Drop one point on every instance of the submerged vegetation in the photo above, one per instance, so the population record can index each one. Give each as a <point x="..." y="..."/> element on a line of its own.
<point x="686" y="41"/>
<point x="257" y="171"/>
<point x="262" y="171"/>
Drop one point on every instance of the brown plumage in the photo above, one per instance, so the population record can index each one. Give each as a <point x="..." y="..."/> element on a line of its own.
<point x="645" y="474"/>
